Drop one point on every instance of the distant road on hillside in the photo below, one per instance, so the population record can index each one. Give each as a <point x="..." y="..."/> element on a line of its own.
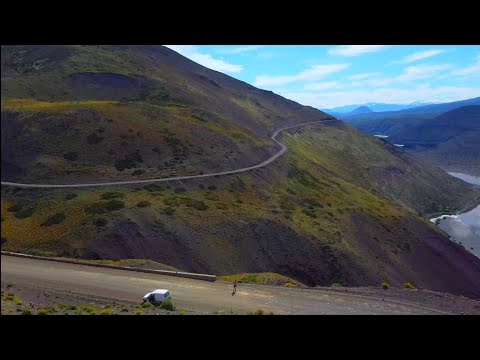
<point x="271" y="159"/>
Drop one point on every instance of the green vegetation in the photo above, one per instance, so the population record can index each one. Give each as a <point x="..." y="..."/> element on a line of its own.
<point x="44" y="311"/>
<point x="261" y="279"/>
<point x="167" y="305"/>
<point x="139" y="311"/>
<point x="147" y="304"/>
<point x="289" y="284"/>
<point x="105" y="206"/>
<point x="112" y="195"/>
<point x="385" y="286"/>
<point x="55" y="219"/>
<point x="154" y="188"/>
<point x="100" y="222"/>
<point x="408" y="285"/>
<point x="25" y="213"/>
<point x="27" y="312"/>
<point x="89" y="309"/>
<point x="183" y="312"/>
<point x="169" y="211"/>
<point x="336" y="285"/>
<point x="15" y="208"/>
<point x="143" y="204"/>
<point x="106" y="312"/>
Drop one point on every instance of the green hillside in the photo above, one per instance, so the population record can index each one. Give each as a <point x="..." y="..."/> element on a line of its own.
<point x="338" y="206"/>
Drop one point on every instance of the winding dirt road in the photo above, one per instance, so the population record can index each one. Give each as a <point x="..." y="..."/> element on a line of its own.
<point x="204" y="297"/>
<point x="271" y="159"/>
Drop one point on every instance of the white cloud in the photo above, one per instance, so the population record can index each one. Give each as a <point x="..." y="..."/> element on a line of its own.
<point x="364" y="76"/>
<point x="421" y="55"/>
<point x="266" y="55"/>
<point x="323" y="86"/>
<point x="313" y="73"/>
<point x="470" y="70"/>
<point x="421" y="93"/>
<point x="207" y="60"/>
<point x="410" y="73"/>
<point x="355" y="50"/>
<point x="240" y="49"/>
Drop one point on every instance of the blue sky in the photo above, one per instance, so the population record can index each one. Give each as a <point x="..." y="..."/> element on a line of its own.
<point x="327" y="76"/>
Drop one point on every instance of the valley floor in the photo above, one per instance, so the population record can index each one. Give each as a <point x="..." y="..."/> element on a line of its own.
<point x="31" y="279"/>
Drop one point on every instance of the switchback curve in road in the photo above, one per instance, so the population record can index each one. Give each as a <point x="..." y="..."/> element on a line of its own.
<point x="271" y="159"/>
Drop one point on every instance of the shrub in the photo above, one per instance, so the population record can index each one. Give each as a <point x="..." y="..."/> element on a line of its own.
<point x="147" y="305"/>
<point x="167" y="305"/>
<point x="100" y="222"/>
<point x="72" y="156"/>
<point x="90" y="309"/>
<point x="336" y="285"/>
<point x="111" y="195"/>
<point x="312" y="202"/>
<point x="143" y="204"/>
<point x="113" y="205"/>
<point x="271" y="313"/>
<point x="27" y="312"/>
<point x="106" y="312"/>
<point x="183" y="312"/>
<point x="169" y="211"/>
<point x="70" y="196"/>
<point x="17" y="301"/>
<point x="309" y="213"/>
<point x="54" y="219"/>
<point x="25" y="213"/>
<point x="196" y="204"/>
<point x="15" y="208"/>
<point x="96" y="208"/>
<point x="44" y="312"/>
<point x="125" y="308"/>
<point x="259" y="312"/>
<point x="385" y="286"/>
<point x="408" y="285"/>
<point x="93" y="139"/>
<point x="123" y="164"/>
<point x="139" y="312"/>
<point x="153" y="188"/>
<point x="289" y="284"/>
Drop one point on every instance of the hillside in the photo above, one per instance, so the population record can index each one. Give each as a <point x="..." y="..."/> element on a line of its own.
<point x="339" y="206"/>
<point x="451" y="140"/>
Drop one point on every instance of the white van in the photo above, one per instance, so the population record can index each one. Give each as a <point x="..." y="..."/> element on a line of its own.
<point x="158" y="296"/>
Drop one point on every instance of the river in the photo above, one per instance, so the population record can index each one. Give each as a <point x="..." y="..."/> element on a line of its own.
<point x="463" y="228"/>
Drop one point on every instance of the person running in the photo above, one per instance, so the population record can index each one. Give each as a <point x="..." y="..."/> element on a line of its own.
<point x="234" y="287"/>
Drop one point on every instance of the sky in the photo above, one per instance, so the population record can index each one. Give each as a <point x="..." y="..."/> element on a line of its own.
<point x="328" y="76"/>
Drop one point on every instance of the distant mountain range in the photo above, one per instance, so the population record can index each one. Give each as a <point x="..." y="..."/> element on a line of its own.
<point x="446" y="134"/>
<point x="374" y="107"/>
<point x="361" y="110"/>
